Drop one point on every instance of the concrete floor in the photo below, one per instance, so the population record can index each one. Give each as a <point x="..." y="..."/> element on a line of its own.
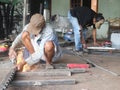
<point x="105" y="76"/>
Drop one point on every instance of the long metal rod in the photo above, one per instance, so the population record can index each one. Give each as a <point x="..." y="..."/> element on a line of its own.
<point x="9" y="77"/>
<point x="44" y="82"/>
<point x="89" y="61"/>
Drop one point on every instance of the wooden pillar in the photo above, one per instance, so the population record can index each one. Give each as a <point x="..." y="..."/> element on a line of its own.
<point x="94" y="5"/>
<point x="25" y="11"/>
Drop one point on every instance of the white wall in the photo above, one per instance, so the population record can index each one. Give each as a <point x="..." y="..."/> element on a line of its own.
<point x="109" y="8"/>
<point x="60" y="7"/>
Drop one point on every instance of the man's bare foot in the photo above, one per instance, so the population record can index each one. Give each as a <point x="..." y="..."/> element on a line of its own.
<point x="28" y="68"/>
<point x="49" y="66"/>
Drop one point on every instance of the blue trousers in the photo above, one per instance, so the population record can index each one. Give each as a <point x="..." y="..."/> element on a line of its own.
<point x="76" y="29"/>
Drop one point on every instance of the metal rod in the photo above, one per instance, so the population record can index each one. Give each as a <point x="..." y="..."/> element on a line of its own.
<point x="113" y="73"/>
<point x="9" y="77"/>
<point x="44" y="82"/>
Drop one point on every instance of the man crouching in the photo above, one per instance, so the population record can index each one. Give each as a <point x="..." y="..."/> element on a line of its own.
<point x="40" y="43"/>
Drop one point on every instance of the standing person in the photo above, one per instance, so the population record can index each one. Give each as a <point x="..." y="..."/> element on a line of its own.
<point x="80" y="18"/>
<point x="40" y="43"/>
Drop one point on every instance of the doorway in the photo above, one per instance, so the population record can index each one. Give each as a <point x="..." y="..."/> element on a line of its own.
<point x="86" y="3"/>
<point x="93" y="4"/>
<point x="36" y="6"/>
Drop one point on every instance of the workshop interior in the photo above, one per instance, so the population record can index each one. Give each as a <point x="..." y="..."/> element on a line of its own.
<point x="98" y="67"/>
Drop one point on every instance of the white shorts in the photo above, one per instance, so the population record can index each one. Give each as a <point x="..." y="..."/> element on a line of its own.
<point x="57" y="56"/>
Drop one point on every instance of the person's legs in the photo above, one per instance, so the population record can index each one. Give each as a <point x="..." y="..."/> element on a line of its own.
<point x="27" y="67"/>
<point x="20" y="60"/>
<point x="29" y="49"/>
<point x="76" y="28"/>
<point x="84" y="33"/>
<point x="49" y="52"/>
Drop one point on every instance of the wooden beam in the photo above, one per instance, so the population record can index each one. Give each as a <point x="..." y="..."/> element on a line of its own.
<point x="94" y="5"/>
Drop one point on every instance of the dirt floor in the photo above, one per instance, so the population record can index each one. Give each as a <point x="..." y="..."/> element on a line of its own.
<point x="104" y="75"/>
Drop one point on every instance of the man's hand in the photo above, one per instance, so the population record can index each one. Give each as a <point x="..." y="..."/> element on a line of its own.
<point x="12" y="54"/>
<point x="96" y="44"/>
<point x="20" y="65"/>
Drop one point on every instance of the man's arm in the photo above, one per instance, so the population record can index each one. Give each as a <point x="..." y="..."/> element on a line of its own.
<point x="15" y="43"/>
<point x="27" y="42"/>
<point x="48" y="35"/>
<point x="94" y="38"/>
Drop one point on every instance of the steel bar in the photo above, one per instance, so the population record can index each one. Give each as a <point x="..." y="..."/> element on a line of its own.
<point x="54" y="72"/>
<point x="89" y="61"/>
<point x="44" y="82"/>
<point x="8" y="78"/>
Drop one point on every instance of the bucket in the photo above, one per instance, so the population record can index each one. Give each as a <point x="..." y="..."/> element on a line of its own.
<point x="115" y="39"/>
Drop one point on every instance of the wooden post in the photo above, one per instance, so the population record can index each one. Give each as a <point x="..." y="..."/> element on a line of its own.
<point x="25" y="8"/>
<point x="94" y="5"/>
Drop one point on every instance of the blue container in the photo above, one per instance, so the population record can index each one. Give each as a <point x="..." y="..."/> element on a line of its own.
<point x="69" y="37"/>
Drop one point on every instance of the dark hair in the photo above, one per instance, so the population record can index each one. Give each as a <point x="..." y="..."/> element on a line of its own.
<point x="98" y="17"/>
<point x="53" y="17"/>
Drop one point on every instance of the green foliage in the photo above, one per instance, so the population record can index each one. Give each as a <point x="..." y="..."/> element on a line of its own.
<point x="13" y="2"/>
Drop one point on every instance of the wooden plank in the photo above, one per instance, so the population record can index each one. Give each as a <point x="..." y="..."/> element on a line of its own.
<point x="44" y="82"/>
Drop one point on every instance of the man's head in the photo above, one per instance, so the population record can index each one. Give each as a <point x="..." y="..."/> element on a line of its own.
<point x="99" y="20"/>
<point x="37" y="22"/>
